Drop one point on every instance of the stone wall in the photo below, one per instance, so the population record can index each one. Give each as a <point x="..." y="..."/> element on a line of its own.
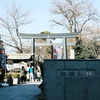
<point x="72" y="79"/>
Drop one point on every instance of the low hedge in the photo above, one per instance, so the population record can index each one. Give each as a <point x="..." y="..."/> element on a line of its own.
<point x="16" y="75"/>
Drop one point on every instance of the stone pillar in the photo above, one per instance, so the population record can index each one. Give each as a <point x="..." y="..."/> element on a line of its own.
<point x="64" y="48"/>
<point x="33" y="48"/>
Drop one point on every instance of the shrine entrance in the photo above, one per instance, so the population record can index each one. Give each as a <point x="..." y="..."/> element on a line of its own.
<point x="48" y="37"/>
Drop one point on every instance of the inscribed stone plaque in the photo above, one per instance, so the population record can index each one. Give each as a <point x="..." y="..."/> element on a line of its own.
<point x="72" y="79"/>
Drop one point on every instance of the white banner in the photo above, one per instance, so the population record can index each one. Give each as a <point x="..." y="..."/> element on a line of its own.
<point x="72" y="55"/>
<point x="16" y="65"/>
<point x="59" y="53"/>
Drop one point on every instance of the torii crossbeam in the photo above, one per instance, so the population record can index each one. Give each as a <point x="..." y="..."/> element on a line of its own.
<point x="50" y="36"/>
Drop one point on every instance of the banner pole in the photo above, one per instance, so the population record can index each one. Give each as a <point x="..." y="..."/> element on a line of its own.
<point x="5" y="84"/>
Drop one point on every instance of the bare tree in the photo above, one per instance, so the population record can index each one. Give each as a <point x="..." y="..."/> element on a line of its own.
<point x="74" y="14"/>
<point x="12" y="20"/>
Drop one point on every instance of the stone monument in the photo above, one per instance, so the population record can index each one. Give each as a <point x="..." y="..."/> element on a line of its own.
<point x="71" y="79"/>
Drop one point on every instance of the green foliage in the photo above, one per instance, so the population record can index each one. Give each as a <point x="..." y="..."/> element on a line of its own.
<point x="45" y="32"/>
<point x="16" y="75"/>
<point x="86" y="49"/>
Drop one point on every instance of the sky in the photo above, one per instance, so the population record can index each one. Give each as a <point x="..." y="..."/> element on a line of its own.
<point x="41" y="15"/>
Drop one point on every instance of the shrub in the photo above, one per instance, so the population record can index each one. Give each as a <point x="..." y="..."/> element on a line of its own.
<point x="16" y="75"/>
<point x="8" y="76"/>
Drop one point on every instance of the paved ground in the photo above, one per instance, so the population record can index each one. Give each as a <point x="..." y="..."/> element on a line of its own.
<point x="26" y="91"/>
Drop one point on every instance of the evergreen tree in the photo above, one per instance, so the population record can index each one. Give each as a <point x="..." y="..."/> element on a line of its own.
<point x="86" y="49"/>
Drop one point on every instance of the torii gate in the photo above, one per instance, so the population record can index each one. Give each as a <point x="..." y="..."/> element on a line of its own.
<point x="49" y="36"/>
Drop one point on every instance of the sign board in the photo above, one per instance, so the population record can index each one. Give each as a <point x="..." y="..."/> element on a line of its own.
<point x="3" y="58"/>
<point x="19" y="65"/>
<point x="16" y="65"/>
<point x="9" y="67"/>
<point x="75" y="73"/>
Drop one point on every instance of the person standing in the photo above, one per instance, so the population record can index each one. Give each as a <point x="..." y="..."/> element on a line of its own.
<point x="38" y="75"/>
<point x="23" y="74"/>
<point x="31" y="71"/>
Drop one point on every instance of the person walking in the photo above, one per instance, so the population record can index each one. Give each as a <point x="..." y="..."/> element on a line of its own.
<point x="23" y="74"/>
<point x="31" y="71"/>
<point x="38" y="72"/>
